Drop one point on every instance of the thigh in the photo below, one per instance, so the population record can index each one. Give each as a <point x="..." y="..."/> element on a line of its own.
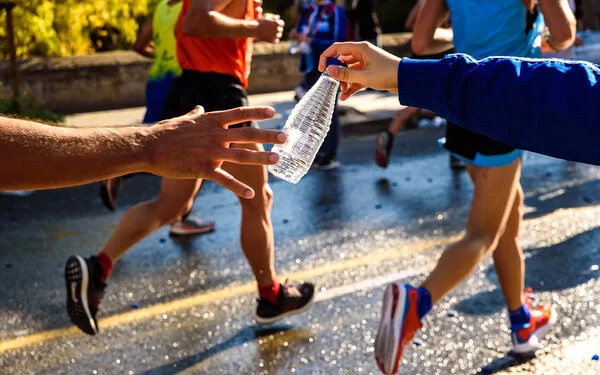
<point x="495" y="190"/>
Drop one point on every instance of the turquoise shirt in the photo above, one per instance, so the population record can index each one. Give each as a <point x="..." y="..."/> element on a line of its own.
<point x="484" y="28"/>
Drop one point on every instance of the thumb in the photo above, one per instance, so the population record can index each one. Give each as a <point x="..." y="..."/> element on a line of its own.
<point x="344" y="74"/>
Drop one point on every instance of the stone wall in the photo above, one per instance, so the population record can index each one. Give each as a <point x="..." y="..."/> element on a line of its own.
<point x="117" y="79"/>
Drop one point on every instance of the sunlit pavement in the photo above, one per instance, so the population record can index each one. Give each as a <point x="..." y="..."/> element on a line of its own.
<point x="186" y="306"/>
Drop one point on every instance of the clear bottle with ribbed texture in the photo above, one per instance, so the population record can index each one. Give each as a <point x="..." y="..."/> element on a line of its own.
<point x="306" y="128"/>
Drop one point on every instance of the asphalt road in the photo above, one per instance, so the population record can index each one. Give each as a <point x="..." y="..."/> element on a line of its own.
<point x="186" y="306"/>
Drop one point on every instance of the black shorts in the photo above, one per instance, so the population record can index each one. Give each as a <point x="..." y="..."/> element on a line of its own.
<point x="473" y="148"/>
<point x="476" y="149"/>
<point x="213" y="91"/>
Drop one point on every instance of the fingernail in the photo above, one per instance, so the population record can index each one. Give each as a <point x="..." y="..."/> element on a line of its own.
<point x="248" y="193"/>
<point x="273" y="157"/>
<point x="281" y="137"/>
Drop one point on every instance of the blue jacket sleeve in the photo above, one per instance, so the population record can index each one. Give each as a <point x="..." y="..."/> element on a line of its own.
<point x="545" y="106"/>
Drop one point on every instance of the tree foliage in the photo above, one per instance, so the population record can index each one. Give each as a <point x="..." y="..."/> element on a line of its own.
<point x="77" y="27"/>
<point x="73" y="27"/>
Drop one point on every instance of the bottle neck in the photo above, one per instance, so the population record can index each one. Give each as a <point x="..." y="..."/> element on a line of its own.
<point x="327" y="78"/>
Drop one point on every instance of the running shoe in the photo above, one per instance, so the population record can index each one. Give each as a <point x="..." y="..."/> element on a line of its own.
<point x="398" y="325"/>
<point x="383" y="152"/>
<point x="526" y="338"/>
<point x="291" y="300"/>
<point x="191" y="225"/>
<point x="109" y="191"/>
<point x="85" y="290"/>
<point x="325" y="163"/>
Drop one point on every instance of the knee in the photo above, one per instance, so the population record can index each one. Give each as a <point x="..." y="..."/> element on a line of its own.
<point x="263" y="199"/>
<point x="481" y="243"/>
<point x="170" y="212"/>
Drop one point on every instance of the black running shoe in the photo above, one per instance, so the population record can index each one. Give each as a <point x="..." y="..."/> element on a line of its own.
<point x="291" y="300"/>
<point x="84" y="292"/>
<point x="109" y="191"/>
<point x="383" y="152"/>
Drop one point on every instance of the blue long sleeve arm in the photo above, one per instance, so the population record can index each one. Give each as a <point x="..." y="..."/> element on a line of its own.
<point x="551" y="107"/>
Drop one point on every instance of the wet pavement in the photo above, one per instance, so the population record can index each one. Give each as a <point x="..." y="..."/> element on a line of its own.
<point x="178" y="306"/>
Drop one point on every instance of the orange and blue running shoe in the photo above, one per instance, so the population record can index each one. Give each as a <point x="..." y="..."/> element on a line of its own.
<point x="398" y="325"/>
<point x="526" y="338"/>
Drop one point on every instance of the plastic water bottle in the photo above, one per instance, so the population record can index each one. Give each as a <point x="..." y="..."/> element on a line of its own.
<point x="306" y="128"/>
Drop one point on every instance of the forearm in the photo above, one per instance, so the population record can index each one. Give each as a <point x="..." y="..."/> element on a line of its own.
<point x="441" y="42"/>
<point x="214" y="25"/>
<point x="561" y="22"/>
<point x="427" y="25"/>
<point x="545" y="106"/>
<point x="37" y="156"/>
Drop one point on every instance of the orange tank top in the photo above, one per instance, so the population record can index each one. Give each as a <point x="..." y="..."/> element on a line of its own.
<point x="225" y="56"/>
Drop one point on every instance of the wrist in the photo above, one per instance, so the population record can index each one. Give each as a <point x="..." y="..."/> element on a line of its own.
<point x="142" y="153"/>
<point x="393" y="75"/>
<point x="250" y="28"/>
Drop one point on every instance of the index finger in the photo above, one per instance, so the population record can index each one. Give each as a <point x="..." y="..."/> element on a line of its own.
<point x="340" y="48"/>
<point x="240" y="115"/>
<point x="253" y="135"/>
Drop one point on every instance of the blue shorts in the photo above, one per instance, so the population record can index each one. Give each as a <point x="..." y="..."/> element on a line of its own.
<point x="156" y="95"/>
<point x="476" y="149"/>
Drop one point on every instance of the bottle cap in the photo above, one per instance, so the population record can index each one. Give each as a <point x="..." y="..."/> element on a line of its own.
<point x="334" y="61"/>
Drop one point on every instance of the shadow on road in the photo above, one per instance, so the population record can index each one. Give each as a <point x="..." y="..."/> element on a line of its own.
<point x="557" y="267"/>
<point x="580" y="195"/>
<point x="506" y="362"/>
<point x="246" y="335"/>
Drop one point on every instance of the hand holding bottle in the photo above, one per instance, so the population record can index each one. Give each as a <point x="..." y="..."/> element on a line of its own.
<point x="368" y="66"/>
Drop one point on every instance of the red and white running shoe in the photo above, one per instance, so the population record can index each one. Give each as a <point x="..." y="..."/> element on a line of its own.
<point x="191" y="225"/>
<point x="398" y="325"/>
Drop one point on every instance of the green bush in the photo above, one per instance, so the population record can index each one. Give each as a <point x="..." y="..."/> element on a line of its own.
<point x="28" y="107"/>
<point x="72" y="27"/>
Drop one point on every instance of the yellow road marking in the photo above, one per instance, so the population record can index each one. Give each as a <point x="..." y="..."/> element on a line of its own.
<point x="220" y="294"/>
<point x="236" y="291"/>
